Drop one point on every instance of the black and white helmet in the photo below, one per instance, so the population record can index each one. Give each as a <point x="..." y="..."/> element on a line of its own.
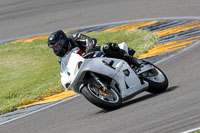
<point x="59" y="42"/>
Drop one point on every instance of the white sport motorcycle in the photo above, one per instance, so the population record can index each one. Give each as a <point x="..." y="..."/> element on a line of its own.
<point x="107" y="82"/>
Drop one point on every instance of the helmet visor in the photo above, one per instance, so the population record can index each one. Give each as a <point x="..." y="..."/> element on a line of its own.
<point x="57" y="46"/>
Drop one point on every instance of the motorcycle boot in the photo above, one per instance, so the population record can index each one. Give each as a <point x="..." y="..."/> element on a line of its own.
<point x="131" y="60"/>
<point x="135" y="64"/>
<point x="131" y="51"/>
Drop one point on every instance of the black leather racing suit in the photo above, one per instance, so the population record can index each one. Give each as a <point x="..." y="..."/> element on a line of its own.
<point x="85" y="43"/>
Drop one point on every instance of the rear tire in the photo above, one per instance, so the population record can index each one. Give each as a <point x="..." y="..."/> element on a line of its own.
<point x="109" y="100"/>
<point x="157" y="84"/>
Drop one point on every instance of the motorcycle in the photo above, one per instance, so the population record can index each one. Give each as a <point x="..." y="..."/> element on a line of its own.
<point x="108" y="82"/>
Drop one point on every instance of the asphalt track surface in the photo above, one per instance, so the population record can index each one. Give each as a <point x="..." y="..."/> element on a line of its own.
<point x="174" y="111"/>
<point x="27" y="17"/>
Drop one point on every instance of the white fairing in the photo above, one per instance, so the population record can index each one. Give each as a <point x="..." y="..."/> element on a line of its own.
<point x="130" y="84"/>
<point x="74" y="67"/>
<point x="123" y="46"/>
<point x="69" y="67"/>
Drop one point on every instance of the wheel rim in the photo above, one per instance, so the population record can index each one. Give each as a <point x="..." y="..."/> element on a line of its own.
<point x="159" y="77"/>
<point x="108" y="96"/>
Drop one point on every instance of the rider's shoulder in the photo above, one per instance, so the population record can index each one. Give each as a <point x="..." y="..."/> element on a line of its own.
<point x="77" y="35"/>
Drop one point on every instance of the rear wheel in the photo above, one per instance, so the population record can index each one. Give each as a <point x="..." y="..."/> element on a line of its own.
<point x="109" y="99"/>
<point x="157" y="80"/>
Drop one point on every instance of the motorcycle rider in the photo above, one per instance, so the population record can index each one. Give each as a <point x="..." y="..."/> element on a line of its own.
<point x="61" y="44"/>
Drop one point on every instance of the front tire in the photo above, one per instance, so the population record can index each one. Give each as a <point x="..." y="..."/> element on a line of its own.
<point x="108" y="100"/>
<point x="157" y="83"/>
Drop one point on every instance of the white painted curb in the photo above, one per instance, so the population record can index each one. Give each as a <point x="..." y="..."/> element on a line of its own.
<point x="192" y="130"/>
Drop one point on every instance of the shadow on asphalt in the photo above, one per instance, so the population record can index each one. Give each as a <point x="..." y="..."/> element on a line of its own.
<point x="140" y="99"/>
<point x="148" y="96"/>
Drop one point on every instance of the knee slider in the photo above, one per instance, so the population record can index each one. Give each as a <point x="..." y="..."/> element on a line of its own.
<point x="105" y="48"/>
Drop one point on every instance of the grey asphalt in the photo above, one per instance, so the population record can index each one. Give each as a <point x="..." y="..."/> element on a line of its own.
<point x="174" y="111"/>
<point x="27" y="17"/>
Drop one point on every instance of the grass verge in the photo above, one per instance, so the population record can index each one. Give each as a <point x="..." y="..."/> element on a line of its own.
<point x="198" y="131"/>
<point x="30" y="71"/>
<point x="141" y="41"/>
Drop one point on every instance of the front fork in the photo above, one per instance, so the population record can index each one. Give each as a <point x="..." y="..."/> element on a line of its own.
<point x="104" y="88"/>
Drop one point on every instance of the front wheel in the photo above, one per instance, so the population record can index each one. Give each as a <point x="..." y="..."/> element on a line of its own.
<point x="108" y="100"/>
<point x="157" y="80"/>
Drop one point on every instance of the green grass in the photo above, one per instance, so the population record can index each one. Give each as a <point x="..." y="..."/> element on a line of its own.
<point x="198" y="131"/>
<point x="30" y="71"/>
<point x="141" y="41"/>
